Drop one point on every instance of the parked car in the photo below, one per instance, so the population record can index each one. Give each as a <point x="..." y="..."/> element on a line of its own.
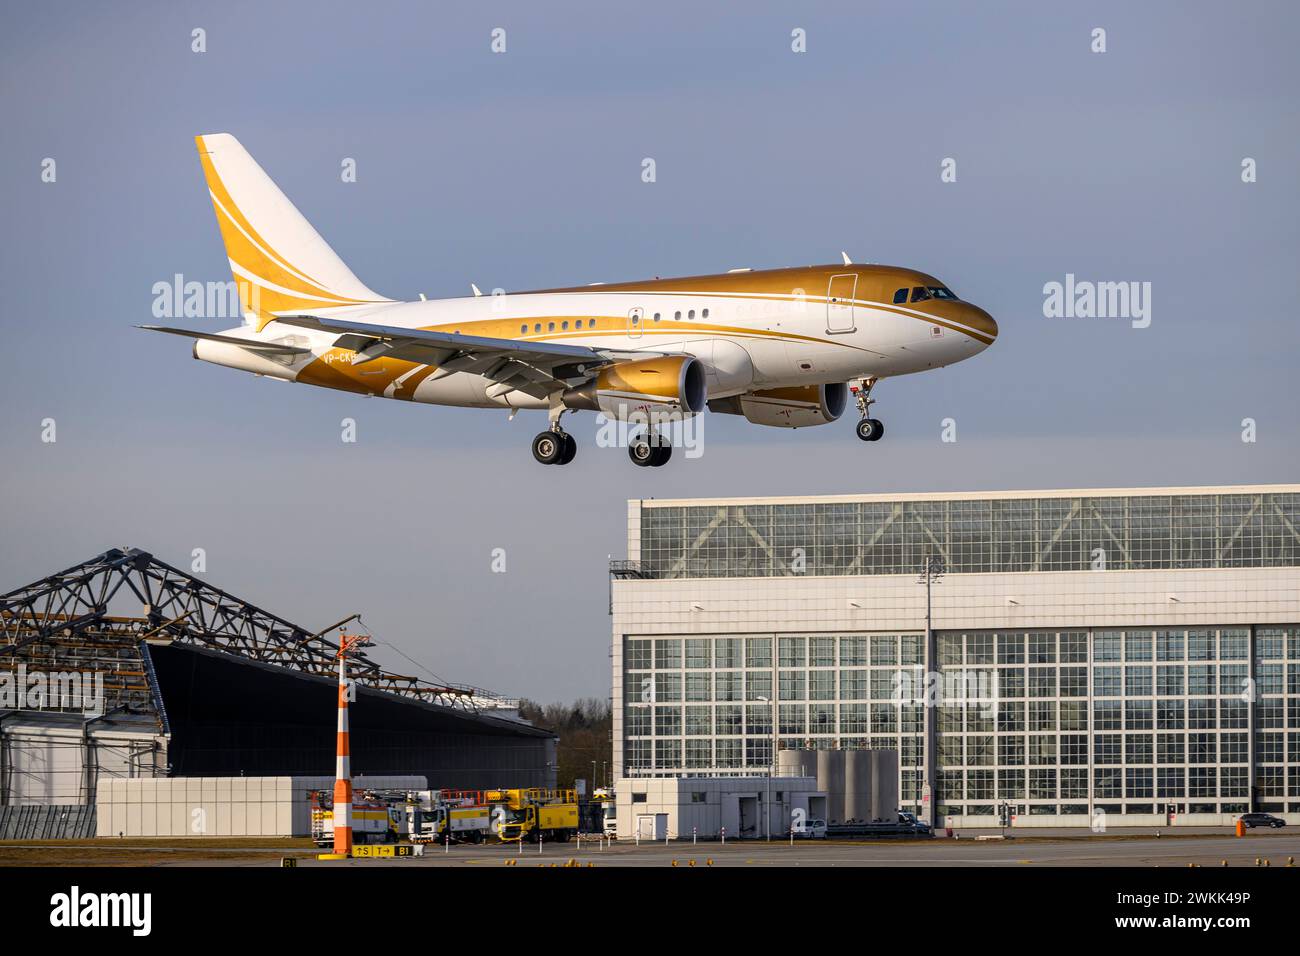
<point x="812" y="830"/>
<point x="909" y="820"/>
<point x="1253" y="820"/>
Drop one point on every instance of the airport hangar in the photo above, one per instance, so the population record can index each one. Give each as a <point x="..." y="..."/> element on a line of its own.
<point x="213" y="707"/>
<point x="1144" y="645"/>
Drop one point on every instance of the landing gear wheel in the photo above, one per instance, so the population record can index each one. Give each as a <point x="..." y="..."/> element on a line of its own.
<point x="642" y="452"/>
<point x="548" y="447"/>
<point x="650" y="451"/>
<point x="570" y="449"/>
<point x="871" y="429"/>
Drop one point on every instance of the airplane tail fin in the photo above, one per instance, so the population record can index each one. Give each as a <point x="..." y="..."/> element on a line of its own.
<point x="280" y="263"/>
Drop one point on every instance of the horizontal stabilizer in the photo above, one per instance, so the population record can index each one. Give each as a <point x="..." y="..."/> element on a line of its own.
<point x="256" y="346"/>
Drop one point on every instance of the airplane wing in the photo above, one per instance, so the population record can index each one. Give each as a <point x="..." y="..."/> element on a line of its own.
<point x="535" y="368"/>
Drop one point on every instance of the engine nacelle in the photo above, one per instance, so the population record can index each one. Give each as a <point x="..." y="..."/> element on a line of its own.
<point x="668" y="386"/>
<point x="794" y="407"/>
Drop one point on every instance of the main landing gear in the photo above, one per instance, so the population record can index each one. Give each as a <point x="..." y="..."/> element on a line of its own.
<point x="649" y="450"/>
<point x="868" y="429"/>
<point x="555" y="446"/>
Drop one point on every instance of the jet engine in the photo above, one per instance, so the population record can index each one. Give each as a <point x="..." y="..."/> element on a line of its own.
<point x="672" y="385"/>
<point x="794" y="407"/>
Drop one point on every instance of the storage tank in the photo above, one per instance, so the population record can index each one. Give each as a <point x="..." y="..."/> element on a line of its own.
<point x="830" y="780"/>
<point x="859" y="785"/>
<point x="884" y="784"/>
<point x="796" y="763"/>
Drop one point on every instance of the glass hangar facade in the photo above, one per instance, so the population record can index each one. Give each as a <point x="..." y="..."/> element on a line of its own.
<point x="1198" y="717"/>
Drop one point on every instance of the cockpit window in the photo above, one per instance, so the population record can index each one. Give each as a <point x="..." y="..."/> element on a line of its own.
<point x="900" y="296"/>
<point x="921" y="293"/>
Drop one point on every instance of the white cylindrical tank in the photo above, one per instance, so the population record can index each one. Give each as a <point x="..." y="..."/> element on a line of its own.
<point x="796" y="763"/>
<point x="884" y="785"/>
<point x="830" y="780"/>
<point x="859" y="787"/>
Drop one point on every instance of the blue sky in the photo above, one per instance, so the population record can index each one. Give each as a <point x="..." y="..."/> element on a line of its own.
<point x="522" y="170"/>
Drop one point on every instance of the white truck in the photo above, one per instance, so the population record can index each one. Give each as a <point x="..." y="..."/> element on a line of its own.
<point x="434" y="816"/>
<point x="375" y="819"/>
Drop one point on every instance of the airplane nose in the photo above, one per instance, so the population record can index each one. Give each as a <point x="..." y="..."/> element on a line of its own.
<point x="980" y="320"/>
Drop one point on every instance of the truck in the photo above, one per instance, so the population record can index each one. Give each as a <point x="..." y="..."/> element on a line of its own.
<point x="438" y="816"/>
<point x="375" y="818"/>
<point x="534" y="814"/>
<point x="609" y="810"/>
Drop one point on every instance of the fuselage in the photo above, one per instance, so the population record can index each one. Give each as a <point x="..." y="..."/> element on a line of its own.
<point x="751" y="330"/>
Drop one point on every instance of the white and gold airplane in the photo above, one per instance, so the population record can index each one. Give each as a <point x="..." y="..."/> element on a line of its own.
<point x="782" y="347"/>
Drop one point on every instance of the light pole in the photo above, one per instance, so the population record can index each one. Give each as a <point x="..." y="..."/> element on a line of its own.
<point x="771" y="770"/>
<point x="932" y="571"/>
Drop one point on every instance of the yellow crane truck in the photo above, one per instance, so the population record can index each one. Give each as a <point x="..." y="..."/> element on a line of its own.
<point x="534" y="814"/>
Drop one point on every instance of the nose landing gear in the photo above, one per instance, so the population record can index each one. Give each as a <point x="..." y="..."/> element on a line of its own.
<point x="871" y="429"/>
<point x="868" y="429"/>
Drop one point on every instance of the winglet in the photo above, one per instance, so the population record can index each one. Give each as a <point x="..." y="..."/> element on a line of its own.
<point x="847" y="260"/>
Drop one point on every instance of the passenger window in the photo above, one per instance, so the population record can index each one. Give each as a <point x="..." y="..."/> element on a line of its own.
<point x="564" y="325"/>
<point x="537" y="327"/>
<point x="578" y="324"/>
<point x="591" y="324"/>
<point x="523" y="330"/>
<point x="656" y="316"/>
<point x="900" y="296"/>
<point x="919" y="294"/>
<point x="704" y="314"/>
<point x="691" y="314"/>
<point x="677" y="316"/>
<point x="550" y="326"/>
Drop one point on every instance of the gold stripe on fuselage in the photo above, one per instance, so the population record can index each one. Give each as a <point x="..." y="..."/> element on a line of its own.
<point x="333" y="368"/>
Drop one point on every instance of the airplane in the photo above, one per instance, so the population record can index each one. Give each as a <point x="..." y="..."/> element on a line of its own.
<point x="780" y="347"/>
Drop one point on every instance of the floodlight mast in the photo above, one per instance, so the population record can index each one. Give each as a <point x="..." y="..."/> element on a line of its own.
<point x="933" y="569"/>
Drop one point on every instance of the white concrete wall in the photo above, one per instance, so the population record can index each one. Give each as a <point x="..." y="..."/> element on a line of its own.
<point x="220" y="806"/>
<point x="47" y="762"/>
<point x="888" y="603"/>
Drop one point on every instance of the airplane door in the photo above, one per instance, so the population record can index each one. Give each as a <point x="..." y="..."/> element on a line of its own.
<point x="839" y="302"/>
<point x="635" y="318"/>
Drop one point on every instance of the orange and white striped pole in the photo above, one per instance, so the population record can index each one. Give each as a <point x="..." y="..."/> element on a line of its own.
<point x="343" y="760"/>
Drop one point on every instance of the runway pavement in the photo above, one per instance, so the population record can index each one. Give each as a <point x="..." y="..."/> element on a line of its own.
<point x="1130" y="851"/>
